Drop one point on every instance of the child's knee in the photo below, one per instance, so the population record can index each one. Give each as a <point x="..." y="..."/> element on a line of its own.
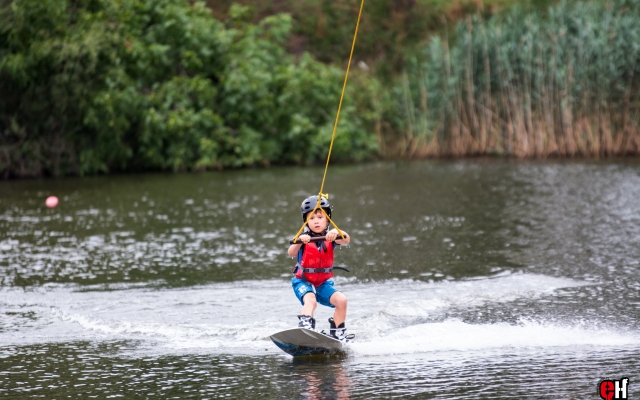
<point x="339" y="300"/>
<point x="309" y="299"/>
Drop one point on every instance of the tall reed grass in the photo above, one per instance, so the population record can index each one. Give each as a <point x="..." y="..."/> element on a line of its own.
<point x="528" y="84"/>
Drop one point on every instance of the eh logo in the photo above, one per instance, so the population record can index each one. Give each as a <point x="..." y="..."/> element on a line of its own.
<point x="610" y="390"/>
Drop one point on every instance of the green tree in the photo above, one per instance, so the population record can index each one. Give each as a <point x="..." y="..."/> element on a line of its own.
<point x="92" y="86"/>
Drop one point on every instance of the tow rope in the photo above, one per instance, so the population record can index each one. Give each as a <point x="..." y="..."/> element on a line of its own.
<point x="333" y="135"/>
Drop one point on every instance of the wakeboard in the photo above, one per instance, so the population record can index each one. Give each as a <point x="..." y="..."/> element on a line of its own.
<point x="305" y="342"/>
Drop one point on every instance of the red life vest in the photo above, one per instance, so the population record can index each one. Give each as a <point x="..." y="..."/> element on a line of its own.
<point x="316" y="259"/>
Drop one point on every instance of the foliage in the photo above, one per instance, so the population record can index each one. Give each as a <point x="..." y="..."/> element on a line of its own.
<point x="92" y="86"/>
<point x="388" y="32"/>
<point x="528" y="84"/>
<point x="89" y="86"/>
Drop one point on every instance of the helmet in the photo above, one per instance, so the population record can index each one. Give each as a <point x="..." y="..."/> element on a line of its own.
<point x="310" y="203"/>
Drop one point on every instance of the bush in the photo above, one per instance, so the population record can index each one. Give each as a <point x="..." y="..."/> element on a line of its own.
<point x="93" y="86"/>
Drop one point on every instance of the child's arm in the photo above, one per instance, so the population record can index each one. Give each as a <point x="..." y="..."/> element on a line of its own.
<point x="335" y="235"/>
<point x="294" y="248"/>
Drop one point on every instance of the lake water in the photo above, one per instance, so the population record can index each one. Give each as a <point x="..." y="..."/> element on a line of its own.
<point x="469" y="279"/>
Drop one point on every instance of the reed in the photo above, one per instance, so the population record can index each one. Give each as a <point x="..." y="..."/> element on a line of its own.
<point x="528" y="84"/>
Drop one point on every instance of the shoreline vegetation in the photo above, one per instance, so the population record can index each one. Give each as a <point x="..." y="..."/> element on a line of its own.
<point x="524" y="85"/>
<point x="97" y="86"/>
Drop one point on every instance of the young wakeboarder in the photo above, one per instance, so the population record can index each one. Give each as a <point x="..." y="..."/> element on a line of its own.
<point x="312" y="282"/>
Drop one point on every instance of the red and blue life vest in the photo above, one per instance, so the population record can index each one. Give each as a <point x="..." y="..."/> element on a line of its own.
<point x="316" y="263"/>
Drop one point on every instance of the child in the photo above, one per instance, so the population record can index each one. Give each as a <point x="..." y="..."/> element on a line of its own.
<point x="312" y="283"/>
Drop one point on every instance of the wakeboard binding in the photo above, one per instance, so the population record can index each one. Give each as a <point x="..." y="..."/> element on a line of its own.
<point x="339" y="332"/>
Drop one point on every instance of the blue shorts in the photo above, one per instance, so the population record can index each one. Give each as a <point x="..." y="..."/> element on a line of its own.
<point x="323" y="292"/>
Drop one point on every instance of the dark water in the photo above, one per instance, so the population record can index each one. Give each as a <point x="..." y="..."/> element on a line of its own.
<point x="470" y="279"/>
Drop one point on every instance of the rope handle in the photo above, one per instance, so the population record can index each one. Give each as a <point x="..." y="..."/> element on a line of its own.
<point x="335" y="130"/>
<point x="317" y="207"/>
<point x="314" y="239"/>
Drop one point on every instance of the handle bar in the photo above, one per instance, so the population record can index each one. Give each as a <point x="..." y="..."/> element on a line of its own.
<point x="317" y="239"/>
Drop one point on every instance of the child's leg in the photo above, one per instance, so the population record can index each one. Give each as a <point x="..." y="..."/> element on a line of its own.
<point x="310" y="304"/>
<point x="339" y="301"/>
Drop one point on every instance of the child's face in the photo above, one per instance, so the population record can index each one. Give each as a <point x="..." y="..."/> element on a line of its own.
<point x="318" y="222"/>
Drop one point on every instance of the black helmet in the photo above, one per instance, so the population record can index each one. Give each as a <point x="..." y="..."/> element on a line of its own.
<point x="310" y="203"/>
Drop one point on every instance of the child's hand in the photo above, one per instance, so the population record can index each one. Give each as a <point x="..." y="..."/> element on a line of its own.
<point x="304" y="238"/>
<point x="332" y="235"/>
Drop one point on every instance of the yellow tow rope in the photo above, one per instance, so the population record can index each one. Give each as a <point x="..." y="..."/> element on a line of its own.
<point x="333" y="135"/>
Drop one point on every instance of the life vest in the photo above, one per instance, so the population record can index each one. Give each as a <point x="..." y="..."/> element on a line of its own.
<point x="316" y="264"/>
